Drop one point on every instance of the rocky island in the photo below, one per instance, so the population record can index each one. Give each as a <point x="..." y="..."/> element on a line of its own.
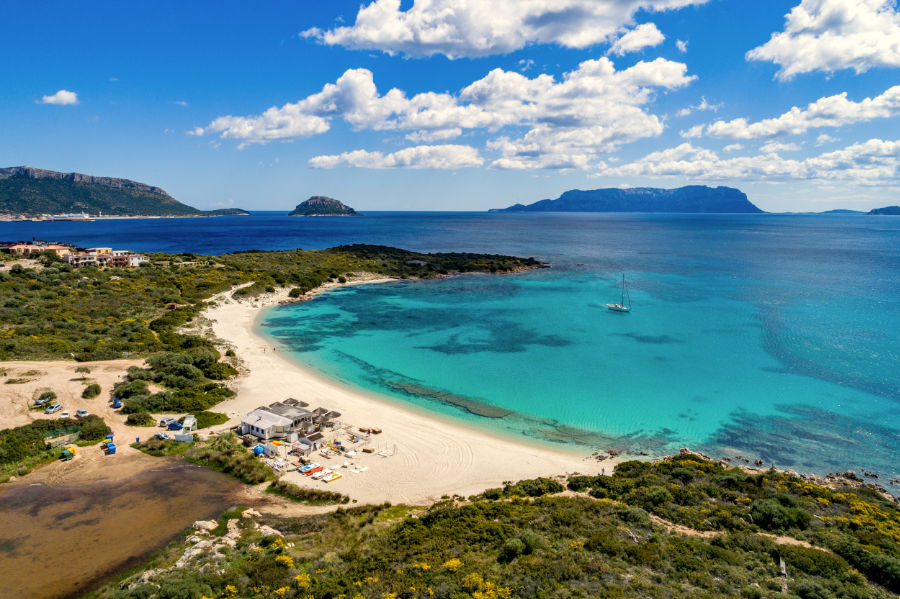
<point x="692" y="198"/>
<point x="29" y="192"/>
<point x="323" y="206"/>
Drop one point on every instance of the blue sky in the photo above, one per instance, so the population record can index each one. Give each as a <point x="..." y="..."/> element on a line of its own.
<point x="459" y="104"/>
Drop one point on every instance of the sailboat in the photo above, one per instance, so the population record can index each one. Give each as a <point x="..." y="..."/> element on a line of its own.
<point x="621" y="306"/>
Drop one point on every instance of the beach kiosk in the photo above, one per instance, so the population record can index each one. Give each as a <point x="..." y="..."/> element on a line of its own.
<point x="190" y="423"/>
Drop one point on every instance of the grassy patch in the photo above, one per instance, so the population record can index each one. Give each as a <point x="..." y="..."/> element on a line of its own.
<point x="232" y="513"/>
<point x="140" y="419"/>
<point x="227" y="455"/>
<point x="306" y="495"/>
<point x="207" y="419"/>
<point x="162" y="447"/>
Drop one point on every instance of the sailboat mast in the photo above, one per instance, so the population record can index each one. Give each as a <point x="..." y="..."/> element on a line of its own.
<point x="626" y="291"/>
<point x="623" y="290"/>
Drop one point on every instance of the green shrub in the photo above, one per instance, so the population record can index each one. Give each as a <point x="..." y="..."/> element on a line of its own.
<point x="128" y="389"/>
<point x="184" y="588"/>
<point x="773" y="514"/>
<point x="140" y="419"/>
<point x="306" y="495"/>
<point x="91" y="391"/>
<point x="512" y="548"/>
<point x="813" y="561"/>
<point x="533" y="487"/>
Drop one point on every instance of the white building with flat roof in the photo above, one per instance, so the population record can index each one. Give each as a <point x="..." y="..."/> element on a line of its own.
<point x="266" y="425"/>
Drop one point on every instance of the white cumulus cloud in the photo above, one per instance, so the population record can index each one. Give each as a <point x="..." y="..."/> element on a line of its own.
<point x="702" y="106"/>
<point x="875" y="162"/>
<point x="561" y="123"/>
<point x="61" y="98"/>
<point x="831" y="35"/>
<point x="471" y="28"/>
<point x="774" y="147"/>
<point x="831" y="111"/>
<point x="444" y="157"/>
<point x="645" y="35"/>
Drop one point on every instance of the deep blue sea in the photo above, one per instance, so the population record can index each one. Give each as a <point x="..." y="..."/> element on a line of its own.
<point x="767" y="336"/>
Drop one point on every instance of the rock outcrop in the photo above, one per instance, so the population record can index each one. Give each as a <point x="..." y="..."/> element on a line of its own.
<point x="323" y="206"/>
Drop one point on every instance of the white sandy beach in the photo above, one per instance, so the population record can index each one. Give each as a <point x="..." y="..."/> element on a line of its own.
<point x="432" y="457"/>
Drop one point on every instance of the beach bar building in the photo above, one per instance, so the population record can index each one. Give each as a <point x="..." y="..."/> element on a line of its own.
<point x="266" y="425"/>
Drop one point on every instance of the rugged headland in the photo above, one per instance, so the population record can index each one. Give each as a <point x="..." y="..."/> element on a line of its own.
<point x="887" y="210"/>
<point x="27" y="191"/>
<point x="692" y="198"/>
<point x="323" y="206"/>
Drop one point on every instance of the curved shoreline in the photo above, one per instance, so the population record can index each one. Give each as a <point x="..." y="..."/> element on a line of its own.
<point x="432" y="456"/>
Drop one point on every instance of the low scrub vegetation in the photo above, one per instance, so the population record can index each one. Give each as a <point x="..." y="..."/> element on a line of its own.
<point x="525" y="541"/>
<point x="23" y="447"/>
<point x="305" y="494"/>
<point x="140" y="419"/>
<point x="99" y="314"/>
<point x="226" y="454"/>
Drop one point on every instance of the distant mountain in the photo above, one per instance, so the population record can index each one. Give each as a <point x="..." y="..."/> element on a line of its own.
<point x="889" y="210"/>
<point x="842" y="211"/>
<point x="31" y="191"/>
<point x="323" y="206"/>
<point x="693" y="198"/>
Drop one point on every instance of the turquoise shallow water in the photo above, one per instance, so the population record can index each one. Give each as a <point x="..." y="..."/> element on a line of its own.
<point x="770" y="336"/>
<point x="770" y="339"/>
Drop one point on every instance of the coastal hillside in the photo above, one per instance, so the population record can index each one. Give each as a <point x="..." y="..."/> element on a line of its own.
<point x="323" y="206"/>
<point x="887" y="210"/>
<point x="28" y="191"/>
<point x="692" y="198"/>
<point x="683" y="527"/>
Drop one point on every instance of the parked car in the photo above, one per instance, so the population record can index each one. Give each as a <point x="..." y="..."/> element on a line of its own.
<point x="81" y="413"/>
<point x="166" y="421"/>
<point x="64" y="415"/>
<point x="162" y="436"/>
<point x="175" y="426"/>
<point x="117" y="403"/>
<point x="53" y="409"/>
<point x="40" y="402"/>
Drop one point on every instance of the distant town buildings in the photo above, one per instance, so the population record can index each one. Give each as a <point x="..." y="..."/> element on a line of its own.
<point x="105" y="257"/>
<point x="26" y="248"/>
<point x="99" y="257"/>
